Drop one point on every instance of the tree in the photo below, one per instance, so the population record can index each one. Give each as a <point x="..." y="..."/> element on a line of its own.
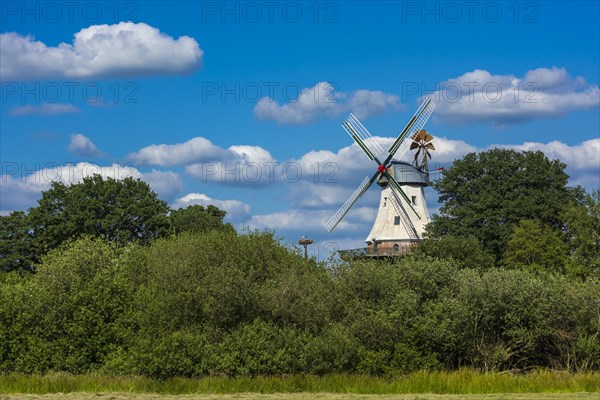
<point x="121" y="211"/>
<point x="198" y="219"/>
<point x="485" y="195"/>
<point x="467" y="251"/>
<point x="535" y="247"/>
<point x="582" y="222"/>
<point x="17" y="248"/>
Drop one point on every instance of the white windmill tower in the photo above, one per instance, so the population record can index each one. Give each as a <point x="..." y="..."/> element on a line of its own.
<point x="402" y="213"/>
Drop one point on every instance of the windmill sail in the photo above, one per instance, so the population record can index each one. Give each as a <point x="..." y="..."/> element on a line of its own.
<point x="337" y="217"/>
<point x="396" y="188"/>
<point x="404" y="218"/>
<point x="415" y="124"/>
<point x="362" y="137"/>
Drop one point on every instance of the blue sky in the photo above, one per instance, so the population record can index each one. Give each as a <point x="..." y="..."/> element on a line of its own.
<point x="172" y="92"/>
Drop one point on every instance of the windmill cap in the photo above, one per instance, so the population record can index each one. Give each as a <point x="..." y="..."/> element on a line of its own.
<point x="406" y="173"/>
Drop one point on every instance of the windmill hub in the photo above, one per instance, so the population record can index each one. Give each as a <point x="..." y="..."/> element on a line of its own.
<point x="381" y="168"/>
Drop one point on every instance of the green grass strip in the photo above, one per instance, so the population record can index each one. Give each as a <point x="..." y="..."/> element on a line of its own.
<point x="456" y="382"/>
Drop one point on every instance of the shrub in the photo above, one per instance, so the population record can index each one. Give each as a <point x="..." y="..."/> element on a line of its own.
<point x="261" y="348"/>
<point x="68" y="316"/>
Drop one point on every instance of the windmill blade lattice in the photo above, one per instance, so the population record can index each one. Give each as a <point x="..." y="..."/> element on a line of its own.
<point x="357" y="131"/>
<point x="404" y="218"/>
<point x="341" y="213"/>
<point x="398" y="189"/>
<point x="416" y="123"/>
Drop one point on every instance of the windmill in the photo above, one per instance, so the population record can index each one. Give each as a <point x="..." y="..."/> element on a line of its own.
<point x="402" y="183"/>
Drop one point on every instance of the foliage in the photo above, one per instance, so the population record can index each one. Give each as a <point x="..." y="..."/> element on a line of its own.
<point x="222" y="303"/>
<point x="198" y="219"/>
<point x="536" y="247"/>
<point x="582" y="223"/>
<point x="261" y="348"/>
<point x="124" y="286"/>
<point x="17" y="247"/>
<point x="123" y="211"/>
<point x="486" y="194"/>
<point x="469" y="252"/>
<point x="66" y="316"/>
<point x="214" y="279"/>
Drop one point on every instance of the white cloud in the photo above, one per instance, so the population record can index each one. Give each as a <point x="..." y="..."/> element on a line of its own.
<point x="21" y="191"/>
<point x="123" y="49"/>
<point x="43" y="109"/>
<point x="236" y="210"/>
<point x="237" y="165"/>
<point x="245" y="165"/>
<point x="308" y="194"/>
<point x="198" y="149"/>
<point x="254" y="154"/>
<point x="322" y="100"/>
<point x="448" y="150"/>
<point x="311" y="220"/>
<point x="83" y="146"/>
<point x="583" y="160"/>
<point x="364" y="103"/>
<point x="324" y="178"/>
<point x="297" y="220"/>
<point x="502" y="99"/>
<point x="167" y="184"/>
<point x="472" y="97"/>
<point x="314" y="102"/>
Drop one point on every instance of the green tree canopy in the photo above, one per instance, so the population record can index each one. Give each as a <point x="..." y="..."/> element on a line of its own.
<point x="535" y="247"/>
<point x="469" y="252"/>
<point x="121" y="211"/>
<point x="486" y="194"/>
<point x="582" y="222"/>
<point x="17" y="247"/>
<point x="199" y="219"/>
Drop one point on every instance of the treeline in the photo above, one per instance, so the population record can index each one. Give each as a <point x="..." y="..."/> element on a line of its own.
<point x="119" y="211"/>
<point x="101" y="276"/>
<point x="222" y="303"/>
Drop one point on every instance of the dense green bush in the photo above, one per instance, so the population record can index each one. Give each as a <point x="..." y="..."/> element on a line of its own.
<point x="467" y="251"/>
<point x="221" y="303"/>
<point x="181" y="353"/>
<point x="68" y="315"/>
<point x="261" y="348"/>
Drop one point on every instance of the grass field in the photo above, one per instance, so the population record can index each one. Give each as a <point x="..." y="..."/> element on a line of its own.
<point x="463" y="384"/>
<point x="303" y="396"/>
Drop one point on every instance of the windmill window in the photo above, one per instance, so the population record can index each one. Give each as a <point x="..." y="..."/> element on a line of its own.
<point x="396" y="247"/>
<point x="384" y="201"/>
<point x="396" y="220"/>
<point x="414" y="200"/>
